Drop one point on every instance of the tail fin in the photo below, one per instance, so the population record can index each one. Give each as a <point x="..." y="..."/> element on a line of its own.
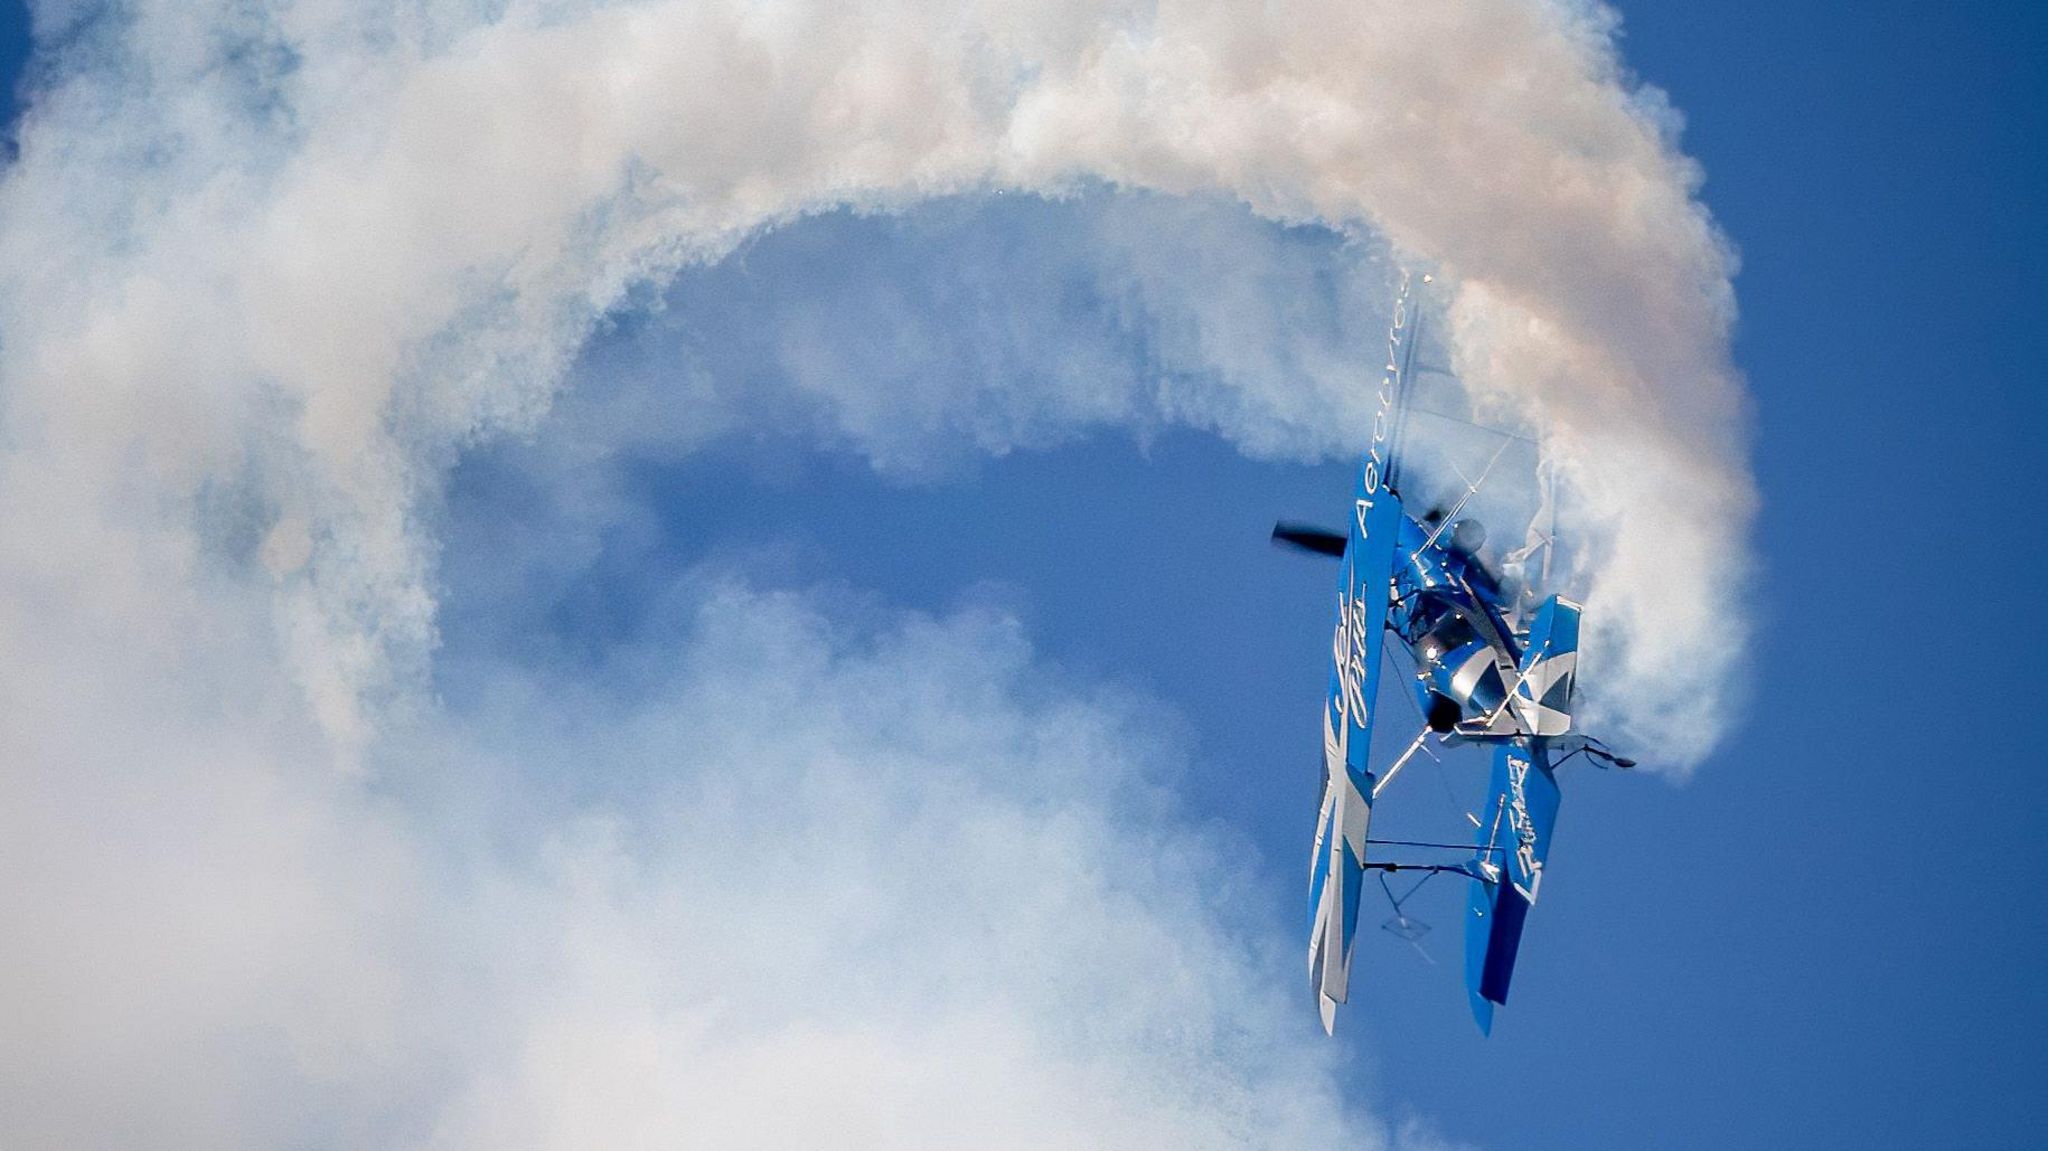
<point x="1550" y="664"/>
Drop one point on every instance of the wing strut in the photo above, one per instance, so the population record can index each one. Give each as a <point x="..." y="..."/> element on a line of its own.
<point x="1386" y="777"/>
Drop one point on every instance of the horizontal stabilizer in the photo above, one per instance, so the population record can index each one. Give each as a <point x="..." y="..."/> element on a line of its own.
<point x="1550" y="663"/>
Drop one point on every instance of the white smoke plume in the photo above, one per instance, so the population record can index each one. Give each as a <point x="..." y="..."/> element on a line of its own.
<point x="266" y="269"/>
<point x="848" y="884"/>
<point x="367" y="237"/>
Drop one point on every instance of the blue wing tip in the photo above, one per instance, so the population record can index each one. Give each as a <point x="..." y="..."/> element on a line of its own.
<point x="1482" y="1014"/>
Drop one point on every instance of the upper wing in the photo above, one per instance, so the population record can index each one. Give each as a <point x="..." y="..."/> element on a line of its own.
<point x="1364" y="592"/>
<point x="1337" y="871"/>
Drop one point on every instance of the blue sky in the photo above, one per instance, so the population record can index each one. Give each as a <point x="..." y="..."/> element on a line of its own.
<point x="1825" y="937"/>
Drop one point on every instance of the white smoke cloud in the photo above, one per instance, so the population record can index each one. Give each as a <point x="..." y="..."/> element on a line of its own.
<point x="266" y="269"/>
<point x="1025" y="958"/>
<point x="841" y="884"/>
<point x="388" y="233"/>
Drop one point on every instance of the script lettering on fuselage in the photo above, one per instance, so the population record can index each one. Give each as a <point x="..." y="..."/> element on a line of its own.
<point x="1383" y="419"/>
<point x="1355" y="618"/>
<point x="1349" y="652"/>
<point x="1523" y="827"/>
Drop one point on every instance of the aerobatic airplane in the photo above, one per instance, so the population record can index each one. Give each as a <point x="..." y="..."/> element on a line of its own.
<point x="1494" y="665"/>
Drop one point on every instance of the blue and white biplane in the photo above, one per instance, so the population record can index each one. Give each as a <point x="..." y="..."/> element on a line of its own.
<point x="1493" y="665"/>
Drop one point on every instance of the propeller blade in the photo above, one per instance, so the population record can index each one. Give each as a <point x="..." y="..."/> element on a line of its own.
<point x="1309" y="539"/>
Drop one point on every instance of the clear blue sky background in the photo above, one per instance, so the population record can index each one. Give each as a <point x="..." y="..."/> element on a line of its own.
<point x="1833" y="935"/>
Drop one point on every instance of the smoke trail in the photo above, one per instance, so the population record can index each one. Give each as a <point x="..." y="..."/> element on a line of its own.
<point x="364" y="242"/>
<point x="266" y="269"/>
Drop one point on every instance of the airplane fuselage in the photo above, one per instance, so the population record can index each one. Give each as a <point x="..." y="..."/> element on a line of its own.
<point x="1446" y="611"/>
